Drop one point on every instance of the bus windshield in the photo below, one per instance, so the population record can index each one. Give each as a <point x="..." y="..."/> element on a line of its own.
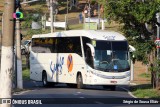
<point x="111" y="56"/>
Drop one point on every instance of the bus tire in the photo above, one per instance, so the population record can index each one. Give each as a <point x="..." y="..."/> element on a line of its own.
<point x="79" y="81"/>
<point x="44" y="79"/>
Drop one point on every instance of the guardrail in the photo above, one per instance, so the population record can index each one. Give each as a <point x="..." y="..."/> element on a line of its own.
<point x="57" y="24"/>
<point x="28" y="2"/>
<point x="97" y="20"/>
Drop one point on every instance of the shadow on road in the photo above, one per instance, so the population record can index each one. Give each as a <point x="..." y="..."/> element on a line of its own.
<point x="38" y="85"/>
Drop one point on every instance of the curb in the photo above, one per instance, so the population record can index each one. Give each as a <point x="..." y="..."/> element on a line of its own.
<point x="129" y="92"/>
<point x="21" y="92"/>
<point x="132" y="84"/>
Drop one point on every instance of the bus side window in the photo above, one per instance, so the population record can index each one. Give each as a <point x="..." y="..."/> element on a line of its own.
<point x="89" y="58"/>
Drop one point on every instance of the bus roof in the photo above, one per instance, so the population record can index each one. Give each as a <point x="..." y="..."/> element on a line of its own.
<point x="92" y="34"/>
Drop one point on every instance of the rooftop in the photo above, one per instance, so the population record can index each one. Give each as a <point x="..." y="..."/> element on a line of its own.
<point x="92" y="34"/>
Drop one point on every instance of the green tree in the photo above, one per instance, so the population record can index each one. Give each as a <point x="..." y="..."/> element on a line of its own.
<point x="139" y="23"/>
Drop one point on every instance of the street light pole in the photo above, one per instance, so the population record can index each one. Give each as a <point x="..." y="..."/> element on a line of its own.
<point x="158" y="37"/>
<point x="67" y="14"/>
<point x="18" y="54"/>
<point x="98" y="16"/>
<point x="158" y="32"/>
<point x="6" y="72"/>
<point x="89" y="13"/>
<point x="51" y="14"/>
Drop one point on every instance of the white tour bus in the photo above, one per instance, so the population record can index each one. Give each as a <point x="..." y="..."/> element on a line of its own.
<point x="80" y="57"/>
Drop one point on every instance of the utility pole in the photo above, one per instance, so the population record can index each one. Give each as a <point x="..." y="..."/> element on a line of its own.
<point x="158" y="37"/>
<point x="51" y="14"/>
<point x="98" y="16"/>
<point x="89" y="13"/>
<point x="18" y="54"/>
<point x="67" y="7"/>
<point x="7" y="52"/>
<point x="67" y="14"/>
<point x="158" y="32"/>
<point x="53" y="4"/>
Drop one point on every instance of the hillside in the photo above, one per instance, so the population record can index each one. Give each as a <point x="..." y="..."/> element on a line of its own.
<point x="1" y="11"/>
<point x="72" y="15"/>
<point x="1" y="5"/>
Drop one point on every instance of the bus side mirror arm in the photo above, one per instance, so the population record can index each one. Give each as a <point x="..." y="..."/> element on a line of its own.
<point x="131" y="50"/>
<point x="92" y="49"/>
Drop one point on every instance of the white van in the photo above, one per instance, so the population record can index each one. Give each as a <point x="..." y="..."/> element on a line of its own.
<point x="25" y="46"/>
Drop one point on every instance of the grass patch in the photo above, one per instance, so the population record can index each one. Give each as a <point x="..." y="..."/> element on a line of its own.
<point x="80" y="26"/>
<point x="23" y="59"/>
<point x="145" y="75"/>
<point x="25" y="71"/>
<point x="76" y="26"/>
<point x="26" y="74"/>
<point x="145" y="91"/>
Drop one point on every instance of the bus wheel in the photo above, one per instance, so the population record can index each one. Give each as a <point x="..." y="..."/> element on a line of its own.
<point x="79" y="81"/>
<point x="44" y="79"/>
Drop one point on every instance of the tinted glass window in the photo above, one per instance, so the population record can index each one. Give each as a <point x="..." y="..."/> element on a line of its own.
<point x="85" y="40"/>
<point x="120" y="45"/>
<point x="57" y="45"/>
<point x="103" y="45"/>
<point x="44" y="45"/>
<point x="111" y="56"/>
<point x="69" y="45"/>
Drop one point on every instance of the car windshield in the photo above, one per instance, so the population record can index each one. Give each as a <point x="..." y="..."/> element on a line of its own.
<point x="25" y="42"/>
<point x="111" y="56"/>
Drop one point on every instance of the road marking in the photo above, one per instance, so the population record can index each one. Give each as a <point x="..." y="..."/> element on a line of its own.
<point x="97" y="102"/>
<point x="75" y="94"/>
<point x="128" y="92"/>
<point x="133" y="84"/>
<point x="22" y="92"/>
<point x="78" y="92"/>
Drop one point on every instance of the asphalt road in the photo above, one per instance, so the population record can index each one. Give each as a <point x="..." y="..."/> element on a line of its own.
<point x="63" y="96"/>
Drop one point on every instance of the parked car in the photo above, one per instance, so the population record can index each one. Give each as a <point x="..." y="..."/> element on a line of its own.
<point x="25" y="46"/>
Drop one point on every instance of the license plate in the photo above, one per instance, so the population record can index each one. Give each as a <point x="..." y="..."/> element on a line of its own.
<point x="113" y="82"/>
